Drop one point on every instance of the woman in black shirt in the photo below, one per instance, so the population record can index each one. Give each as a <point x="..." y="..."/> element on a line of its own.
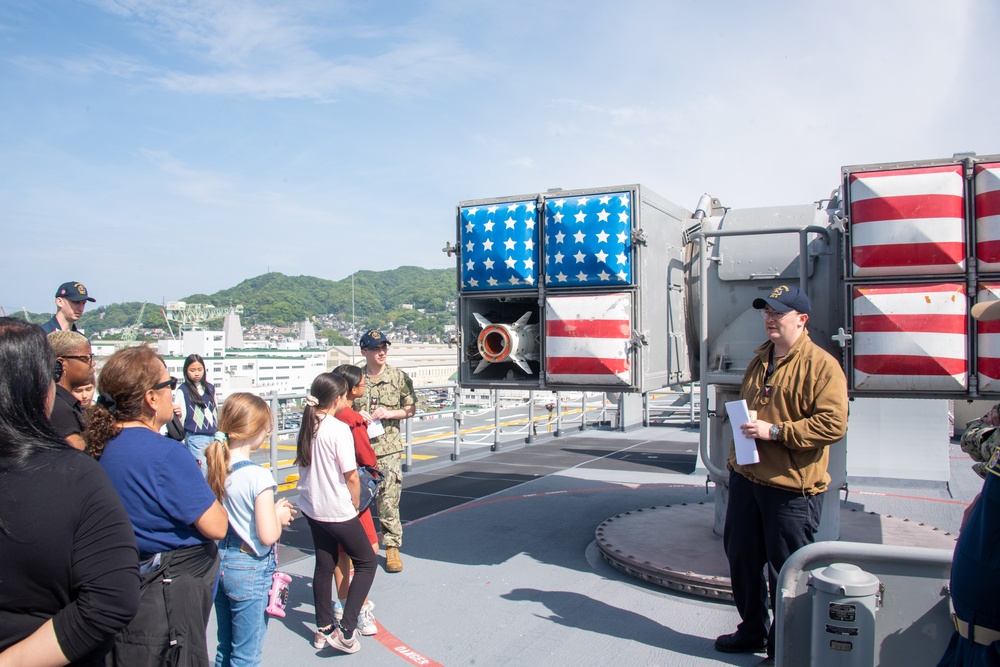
<point x="70" y="576"/>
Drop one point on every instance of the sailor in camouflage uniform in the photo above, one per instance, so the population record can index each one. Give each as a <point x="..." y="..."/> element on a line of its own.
<point x="389" y="399"/>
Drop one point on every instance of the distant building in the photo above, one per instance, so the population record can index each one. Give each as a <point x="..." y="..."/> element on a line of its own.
<point x="307" y="334"/>
<point x="425" y="364"/>
<point x="258" y="371"/>
<point x="233" y="332"/>
<point x="284" y="367"/>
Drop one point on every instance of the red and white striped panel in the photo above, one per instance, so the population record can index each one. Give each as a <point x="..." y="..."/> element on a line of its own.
<point x="910" y="338"/>
<point x="988" y="337"/>
<point x="908" y="222"/>
<point x="987" y="182"/>
<point x="587" y="340"/>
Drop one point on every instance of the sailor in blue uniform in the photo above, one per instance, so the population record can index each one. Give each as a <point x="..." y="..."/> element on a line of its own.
<point x="975" y="579"/>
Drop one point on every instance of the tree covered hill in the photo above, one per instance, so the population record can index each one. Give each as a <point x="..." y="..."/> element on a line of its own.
<point x="280" y="300"/>
<point x="274" y="297"/>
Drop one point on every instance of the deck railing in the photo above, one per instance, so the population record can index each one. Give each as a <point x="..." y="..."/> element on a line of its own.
<point x="537" y="414"/>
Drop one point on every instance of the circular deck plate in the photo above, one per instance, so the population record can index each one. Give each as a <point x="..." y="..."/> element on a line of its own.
<point x="674" y="546"/>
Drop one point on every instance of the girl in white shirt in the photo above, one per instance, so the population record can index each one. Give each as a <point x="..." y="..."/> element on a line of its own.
<point x="247" y="551"/>
<point x="329" y="498"/>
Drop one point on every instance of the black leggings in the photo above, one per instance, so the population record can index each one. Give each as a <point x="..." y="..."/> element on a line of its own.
<point x="351" y="536"/>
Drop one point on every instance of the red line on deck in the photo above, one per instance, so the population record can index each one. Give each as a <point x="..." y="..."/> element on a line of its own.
<point x="899" y="495"/>
<point x="391" y="642"/>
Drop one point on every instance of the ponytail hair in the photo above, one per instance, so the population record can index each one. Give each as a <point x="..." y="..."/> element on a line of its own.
<point x="326" y="388"/>
<point x="217" y="464"/>
<point x="243" y="417"/>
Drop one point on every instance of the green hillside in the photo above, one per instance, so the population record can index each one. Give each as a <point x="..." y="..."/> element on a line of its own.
<point x="273" y="298"/>
<point x="280" y="300"/>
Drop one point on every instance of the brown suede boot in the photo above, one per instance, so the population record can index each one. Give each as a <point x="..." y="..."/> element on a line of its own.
<point x="392" y="560"/>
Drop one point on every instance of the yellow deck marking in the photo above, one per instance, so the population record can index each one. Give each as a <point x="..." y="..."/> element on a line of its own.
<point x="281" y="464"/>
<point x="291" y="480"/>
<point x="476" y="429"/>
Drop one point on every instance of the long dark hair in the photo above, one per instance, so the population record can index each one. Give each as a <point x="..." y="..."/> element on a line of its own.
<point x="125" y="378"/>
<point x="326" y="388"/>
<point x="195" y="392"/>
<point x="26" y="366"/>
<point x="353" y="374"/>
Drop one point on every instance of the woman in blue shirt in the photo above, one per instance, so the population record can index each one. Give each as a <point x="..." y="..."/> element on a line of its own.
<point x="175" y="516"/>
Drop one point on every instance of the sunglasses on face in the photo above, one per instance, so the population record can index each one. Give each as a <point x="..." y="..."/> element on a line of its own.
<point x="172" y="383"/>
<point x="85" y="358"/>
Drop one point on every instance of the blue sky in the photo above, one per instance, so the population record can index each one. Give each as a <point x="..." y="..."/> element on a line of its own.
<point x="154" y="149"/>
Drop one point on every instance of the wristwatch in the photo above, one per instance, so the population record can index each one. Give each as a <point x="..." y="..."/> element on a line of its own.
<point x="775" y="431"/>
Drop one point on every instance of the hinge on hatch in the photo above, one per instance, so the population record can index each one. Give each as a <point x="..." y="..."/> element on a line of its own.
<point x="639" y="339"/>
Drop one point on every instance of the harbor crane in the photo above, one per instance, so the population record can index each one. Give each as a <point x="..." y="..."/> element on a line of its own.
<point x="194" y="316"/>
<point x="130" y="332"/>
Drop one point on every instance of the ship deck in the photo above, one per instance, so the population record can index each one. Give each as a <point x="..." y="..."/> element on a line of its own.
<point x="501" y="564"/>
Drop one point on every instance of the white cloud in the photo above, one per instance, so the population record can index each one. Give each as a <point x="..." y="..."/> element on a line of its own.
<point x="311" y="51"/>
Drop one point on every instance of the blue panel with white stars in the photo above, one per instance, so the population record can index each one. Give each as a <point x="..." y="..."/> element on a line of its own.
<point x="499" y="246"/>
<point x="588" y="240"/>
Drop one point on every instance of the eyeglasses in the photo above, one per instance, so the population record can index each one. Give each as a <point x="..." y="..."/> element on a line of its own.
<point x="172" y="383"/>
<point x="773" y="314"/>
<point x="85" y="358"/>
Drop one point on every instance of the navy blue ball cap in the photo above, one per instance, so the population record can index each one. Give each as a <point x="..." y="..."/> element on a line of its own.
<point x="783" y="299"/>
<point x="372" y="339"/>
<point x="74" y="292"/>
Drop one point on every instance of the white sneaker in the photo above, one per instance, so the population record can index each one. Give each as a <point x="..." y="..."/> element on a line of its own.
<point x="338" y="610"/>
<point x="319" y="639"/>
<point x="366" y="620"/>
<point x="336" y="640"/>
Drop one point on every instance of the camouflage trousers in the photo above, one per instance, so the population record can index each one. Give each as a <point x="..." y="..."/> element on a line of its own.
<point x="387" y="500"/>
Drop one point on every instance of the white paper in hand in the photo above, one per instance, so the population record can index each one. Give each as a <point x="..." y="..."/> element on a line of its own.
<point x="375" y="428"/>
<point x="746" y="448"/>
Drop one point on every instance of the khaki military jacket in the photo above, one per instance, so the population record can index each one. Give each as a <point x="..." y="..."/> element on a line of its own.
<point x="392" y="389"/>
<point x="807" y="398"/>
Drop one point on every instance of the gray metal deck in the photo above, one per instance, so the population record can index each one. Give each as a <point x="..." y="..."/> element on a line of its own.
<point x="502" y="568"/>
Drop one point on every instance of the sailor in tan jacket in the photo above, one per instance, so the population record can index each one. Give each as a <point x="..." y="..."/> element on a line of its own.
<point x="799" y="394"/>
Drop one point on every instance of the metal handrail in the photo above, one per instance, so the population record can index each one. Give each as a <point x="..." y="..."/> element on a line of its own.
<point x="554" y="420"/>
<point x="916" y="577"/>
<point x="721" y="474"/>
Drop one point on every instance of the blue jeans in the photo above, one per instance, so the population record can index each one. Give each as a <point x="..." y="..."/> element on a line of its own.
<point x="244" y="583"/>
<point x="197" y="444"/>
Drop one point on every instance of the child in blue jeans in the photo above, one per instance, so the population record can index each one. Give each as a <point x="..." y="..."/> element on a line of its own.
<point x="247" y="555"/>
